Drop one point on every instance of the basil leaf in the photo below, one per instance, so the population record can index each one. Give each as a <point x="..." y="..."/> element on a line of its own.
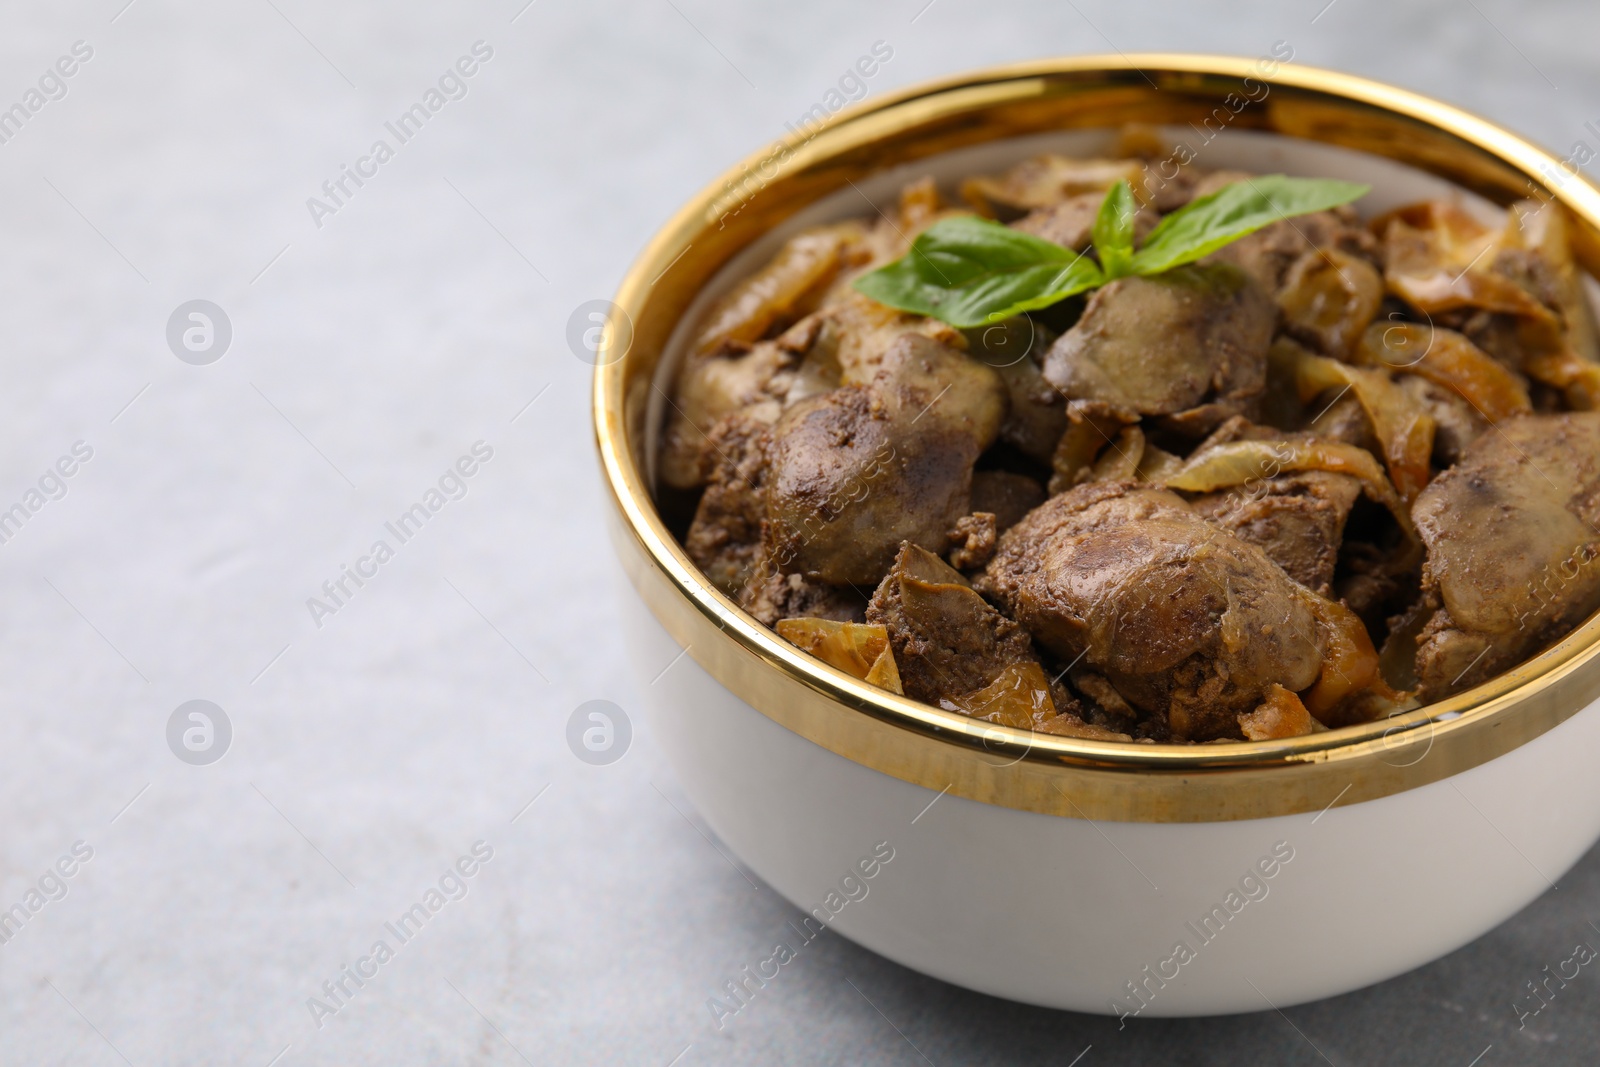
<point x="1113" y="230"/>
<point x="969" y="271"/>
<point x="1234" y="211"/>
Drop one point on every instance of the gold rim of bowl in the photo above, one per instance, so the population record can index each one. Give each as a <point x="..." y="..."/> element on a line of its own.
<point x="947" y="751"/>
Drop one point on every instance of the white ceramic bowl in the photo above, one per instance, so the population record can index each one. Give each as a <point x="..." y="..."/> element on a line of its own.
<point x="1119" y="879"/>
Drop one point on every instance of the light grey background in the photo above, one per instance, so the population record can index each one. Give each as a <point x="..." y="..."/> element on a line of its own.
<point x="367" y="355"/>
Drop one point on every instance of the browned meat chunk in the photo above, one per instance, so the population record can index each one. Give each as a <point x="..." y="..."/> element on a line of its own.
<point x="1187" y="621"/>
<point x="857" y="471"/>
<point x="817" y="371"/>
<point x="1375" y="582"/>
<point x="771" y="596"/>
<point x="1038" y="412"/>
<point x="1296" y="519"/>
<point x="1512" y="548"/>
<point x="863" y="331"/>
<point x="735" y="379"/>
<point x="973" y="540"/>
<point x="1168" y="192"/>
<point x="1006" y="496"/>
<point x="723" y="373"/>
<point x="1456" y="422"/>
<point x="1109" y="703"/>
<point x="1045" y="180"/>
<point x="1267" y="254"/>
<point x="725" y="537"/>
<point x="947" y="640"/>
<point x="1164" y="344"/>
<point x="1070" y="223"/>
<point x="1337" y="415"/>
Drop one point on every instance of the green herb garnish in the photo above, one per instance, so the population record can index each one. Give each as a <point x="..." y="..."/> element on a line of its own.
<point x="969" y="271"/>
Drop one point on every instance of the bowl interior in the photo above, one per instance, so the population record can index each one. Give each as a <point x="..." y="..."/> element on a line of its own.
<point x="1393" y="185"/>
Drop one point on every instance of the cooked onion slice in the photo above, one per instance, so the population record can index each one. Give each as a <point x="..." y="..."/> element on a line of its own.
<point x="1437" y="258"/>
<point x="1157" y="464"/>
<point x="1069" y="725"/>
<point x="1349" y="665"/>
<point x="1546" y="230"/>
<point x="1121" y="458"/>
<point x="1019" y="696"/>
<point x="1243" y="462"/>
<point x="1402" y="425"/>
<point x="805" y="263"/>
<point x="885" y="673"/>
<point x="1280" y="715"/>
<point x="1446" y="358"/>
<point x="1438" y="289"/>
<point x="1091" y="426"/>
<point x="1048" y="179"/>
<point x="1436" y="230"/>
<point x="1329" y="297"/>
<point x="859" y="649"/>
<point x="1567" y="370"/>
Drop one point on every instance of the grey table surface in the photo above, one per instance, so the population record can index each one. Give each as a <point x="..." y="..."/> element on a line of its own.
<point x="373" y="343"/>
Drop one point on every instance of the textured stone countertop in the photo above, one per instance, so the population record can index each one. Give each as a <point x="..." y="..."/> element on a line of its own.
<point x="412" y="328"/>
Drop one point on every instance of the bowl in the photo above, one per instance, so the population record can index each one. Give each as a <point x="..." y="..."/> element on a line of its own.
<point x="1124" y="879"/>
